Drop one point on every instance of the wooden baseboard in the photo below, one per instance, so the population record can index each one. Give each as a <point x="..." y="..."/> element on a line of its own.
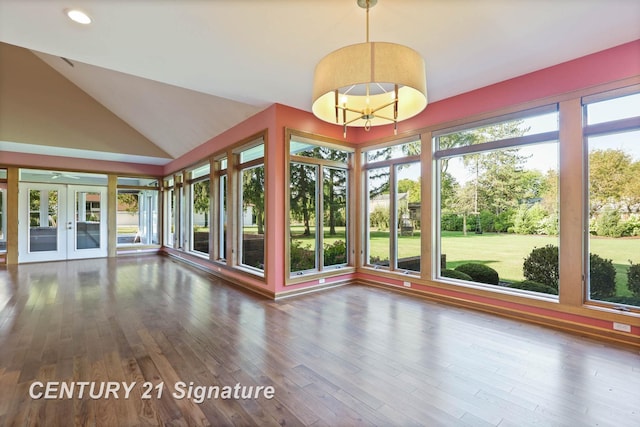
<point x="232" y="281"/>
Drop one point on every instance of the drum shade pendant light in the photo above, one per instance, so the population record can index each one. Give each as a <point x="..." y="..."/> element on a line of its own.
<point x="369" y="84"/>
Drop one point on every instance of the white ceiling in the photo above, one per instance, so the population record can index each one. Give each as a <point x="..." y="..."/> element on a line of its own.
<point x="183" y="71"/>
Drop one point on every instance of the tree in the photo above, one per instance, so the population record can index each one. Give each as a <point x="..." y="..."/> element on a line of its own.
<point x="201" y="199"/>
<point x="497" y="183"/>
<point x="303" y="179"/>
<point x="253" y="193"/>
<point x="412" y="188"/>
<point x="335" y="195"/>
<point x="609" y="172"/>
<point x="303" y="193"/>
<point x="128" y="201"/>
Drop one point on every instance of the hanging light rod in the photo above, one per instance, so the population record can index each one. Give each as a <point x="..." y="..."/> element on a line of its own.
<point x="369" y="84"/>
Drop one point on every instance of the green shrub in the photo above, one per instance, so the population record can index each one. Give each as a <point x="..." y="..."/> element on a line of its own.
<point x="455" y="274"/>
<point x="542" y="266"/>
<point x="602" y="277"/>
<point x="504" y="221"/>
<point x="633" y="278"/>
<point x="335" y="253"/>
<point x="530" y="285"/>
<point x="480" y="273"/>
<point x="607" y="223"/>
<point x="302" y="257"/>
<point x="451" y="222"/>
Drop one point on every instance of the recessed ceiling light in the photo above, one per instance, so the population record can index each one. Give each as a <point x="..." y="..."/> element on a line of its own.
<point x="78" y="16"/>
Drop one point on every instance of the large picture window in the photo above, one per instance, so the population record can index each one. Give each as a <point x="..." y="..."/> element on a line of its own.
<point x="393" y="181"/>
<point x="612" y="133"/>
<point x="498" y="202"/>
<point x="318" y="200"/>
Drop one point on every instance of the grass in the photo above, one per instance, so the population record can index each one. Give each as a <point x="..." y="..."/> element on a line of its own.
<point x="298" y="231"/>
<point x="504" y="253"/>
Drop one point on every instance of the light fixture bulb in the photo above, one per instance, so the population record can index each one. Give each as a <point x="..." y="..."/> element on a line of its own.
<point x="78" y="16"/>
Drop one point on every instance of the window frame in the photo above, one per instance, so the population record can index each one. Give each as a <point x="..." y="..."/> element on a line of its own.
<point x="391" y="164"/>
<point x="495" y="145"/>
<point x="320" y="270"/>
<point x="239" y="168"/>
<point x="612" y="127"/>
<point x="191" y="182"/>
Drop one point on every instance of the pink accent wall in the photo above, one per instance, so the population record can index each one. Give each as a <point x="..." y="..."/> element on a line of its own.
<point x="609" y="65"/>
<point x="69" y="163"/>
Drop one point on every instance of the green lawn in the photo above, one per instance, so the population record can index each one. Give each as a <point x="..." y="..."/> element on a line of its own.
<point x="506" y="252"/>
<point x="297" y="234"/>
<point x="503" y="252"/>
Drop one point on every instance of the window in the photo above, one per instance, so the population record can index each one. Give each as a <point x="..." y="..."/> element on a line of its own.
<point x="200" y="209"/>
<point x="170" y="212"/>
<point x="3" y="210"/>
<point x="137" y="211"/>
<point x="497" y="208"/>
<point x="251" y="207"/>
<point x="612" y="133"/>
<point x="393" y="207"/>
<point x="223" y="182"/>
<point x="318" y="200"/>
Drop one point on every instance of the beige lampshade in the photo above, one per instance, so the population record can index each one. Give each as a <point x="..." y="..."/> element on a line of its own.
<point x="379" y="65"/>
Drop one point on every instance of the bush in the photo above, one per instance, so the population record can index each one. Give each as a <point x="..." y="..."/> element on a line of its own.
<point x="451" y="222"/>
<point x="602" y="275"/>
<point x="335" y="253"/>
<point x="302" y="257"/>
<point x="530" y="285"/>
<point x="480" y="273"/>
<point x="455" y="274"/>
<point x="607" y="223"/>
<point x="504" y="221"/>
<point x="633" y="278"/>
<point x="542" y="266"/>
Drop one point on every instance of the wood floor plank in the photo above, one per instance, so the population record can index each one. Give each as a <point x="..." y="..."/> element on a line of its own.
<point x="351" y="355"/>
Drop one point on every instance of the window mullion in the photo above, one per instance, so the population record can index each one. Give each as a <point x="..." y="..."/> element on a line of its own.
<point x="319" y="222"/>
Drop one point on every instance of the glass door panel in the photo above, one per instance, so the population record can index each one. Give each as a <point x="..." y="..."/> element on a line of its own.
<point x="87" y="215"/>
<point x="43" y="220"/>
<point x="41" y="224"/>
<point x="87" y="222"/>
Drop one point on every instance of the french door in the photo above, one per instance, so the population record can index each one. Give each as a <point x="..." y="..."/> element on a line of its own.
<point x="59" y="222"/>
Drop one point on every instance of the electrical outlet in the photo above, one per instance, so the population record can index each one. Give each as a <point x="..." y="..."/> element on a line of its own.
<point x="407" y="284"/>
<point x="321" y="281"/>
<point x="621" y="327"/>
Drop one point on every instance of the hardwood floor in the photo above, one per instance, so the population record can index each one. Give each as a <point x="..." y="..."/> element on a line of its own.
<point x="347" y="356"/>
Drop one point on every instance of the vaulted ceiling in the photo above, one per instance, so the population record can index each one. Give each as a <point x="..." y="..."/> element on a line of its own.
<point x="177" y="73"/>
